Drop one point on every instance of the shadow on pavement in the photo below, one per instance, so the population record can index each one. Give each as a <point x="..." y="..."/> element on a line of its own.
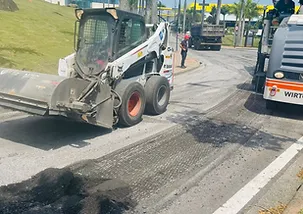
<point x="250" y="69"/>
<point x="49" y="133"/>
<point x="284" y="110"/>
<point x="247" y="86"/>
<point x="54" y="191"/>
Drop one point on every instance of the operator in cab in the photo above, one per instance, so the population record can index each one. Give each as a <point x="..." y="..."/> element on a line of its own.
<point x="285" y="7"/>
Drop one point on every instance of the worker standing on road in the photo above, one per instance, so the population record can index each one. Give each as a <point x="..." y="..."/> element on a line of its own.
<point x="184" y="49"/>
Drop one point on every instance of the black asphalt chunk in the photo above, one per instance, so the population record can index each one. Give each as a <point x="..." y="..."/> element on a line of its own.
<point x="56" y="191"/>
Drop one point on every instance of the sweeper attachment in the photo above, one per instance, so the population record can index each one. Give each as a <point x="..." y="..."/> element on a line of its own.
<point x="115" y="75"/>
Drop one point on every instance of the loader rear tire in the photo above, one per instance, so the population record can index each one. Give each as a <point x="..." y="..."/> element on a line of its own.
<point x="133" y="102"/>
<point x="157" y="91"/>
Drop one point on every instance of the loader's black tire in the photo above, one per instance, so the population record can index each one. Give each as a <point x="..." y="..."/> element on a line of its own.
<point x="133" y="102"/>
<point x="157" y="91"/>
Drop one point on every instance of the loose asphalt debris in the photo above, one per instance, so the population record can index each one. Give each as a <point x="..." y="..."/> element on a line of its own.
<point x="60" y="191"/>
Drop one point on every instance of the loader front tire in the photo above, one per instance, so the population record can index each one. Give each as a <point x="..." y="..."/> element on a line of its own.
<point x="157" y="91"/>
<point x="133" y="103"/>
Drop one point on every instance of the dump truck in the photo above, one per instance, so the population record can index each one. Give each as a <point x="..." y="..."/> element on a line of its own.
<point x="278" y="74"/>
<point x="115" y="75"/>
<point x="206" y="37"/>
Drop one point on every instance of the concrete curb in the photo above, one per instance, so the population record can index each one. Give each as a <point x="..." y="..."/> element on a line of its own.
<point x="282" y="190"/>
<point x="296" y="204"/>
<point x="191" y="69"/>
<point x="232" y="47"/>
<point x="188" y="69"/>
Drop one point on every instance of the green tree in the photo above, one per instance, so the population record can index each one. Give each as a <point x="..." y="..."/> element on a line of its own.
<point x="160" y="4"/>
<point x="213" y="14"/>
<point x="224" y="12"/>
<point x="251" y="11"/>
<point x="212" y="18"/>
<point x="235" y="10"/>
<point x="190" y="20"/>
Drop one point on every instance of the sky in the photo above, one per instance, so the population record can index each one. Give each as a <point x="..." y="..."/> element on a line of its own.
<point x="171" y="3"/>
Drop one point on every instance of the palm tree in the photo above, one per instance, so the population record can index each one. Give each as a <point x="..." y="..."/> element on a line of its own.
<point x="160" y="4"/>
<point x="235" y="10"/>
<point x="8" y="5"/>
<point x="212" y="18"/>
<point x="224" y="12"/>
<point x="251" y="11"/>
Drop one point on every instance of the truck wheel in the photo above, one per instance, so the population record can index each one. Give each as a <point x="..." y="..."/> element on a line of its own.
<point x="133" y="102"/>
<point x="215" y="47"/>
<point x="197" y="45"/>
<point x="157" y="92"/>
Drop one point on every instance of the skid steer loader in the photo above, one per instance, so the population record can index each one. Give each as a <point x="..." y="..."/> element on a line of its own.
<point x="115" y="75"/>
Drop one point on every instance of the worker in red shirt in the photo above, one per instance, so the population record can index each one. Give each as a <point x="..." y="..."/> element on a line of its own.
<point x="184" y="50"/>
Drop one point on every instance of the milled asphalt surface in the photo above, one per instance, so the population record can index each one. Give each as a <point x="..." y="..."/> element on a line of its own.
<point x="215" y="137"/>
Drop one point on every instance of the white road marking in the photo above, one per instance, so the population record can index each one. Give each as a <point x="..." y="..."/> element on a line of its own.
<point x="244" y="195"/>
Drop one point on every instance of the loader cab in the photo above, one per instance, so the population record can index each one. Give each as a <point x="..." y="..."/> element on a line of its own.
<point x="103" y="36"/>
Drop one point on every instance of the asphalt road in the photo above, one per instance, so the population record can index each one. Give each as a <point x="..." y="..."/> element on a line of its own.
<point x="214" y="139"/>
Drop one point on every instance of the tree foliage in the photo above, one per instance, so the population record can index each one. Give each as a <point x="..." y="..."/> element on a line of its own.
<point x="160" y="4"/>
<point x="251" y="10"/>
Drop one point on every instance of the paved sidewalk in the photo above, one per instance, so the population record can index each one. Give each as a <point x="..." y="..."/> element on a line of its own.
<point x="284" y="195"/>
<point x="190" y="63"/>
<point x="295" y="206"/>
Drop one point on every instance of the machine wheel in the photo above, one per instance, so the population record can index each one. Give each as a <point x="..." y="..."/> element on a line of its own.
<point x="271" y="105"/>
<point x="157" y="92"/>
<point x="259" y="83"/>
<point x="133" y="102"/>
<point x="197" y="45"/>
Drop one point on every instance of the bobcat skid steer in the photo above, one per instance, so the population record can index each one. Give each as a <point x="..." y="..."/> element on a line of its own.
<point x="115" y="75"/>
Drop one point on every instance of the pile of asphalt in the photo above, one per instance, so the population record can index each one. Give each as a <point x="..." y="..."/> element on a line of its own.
<point x="56" y="191"/>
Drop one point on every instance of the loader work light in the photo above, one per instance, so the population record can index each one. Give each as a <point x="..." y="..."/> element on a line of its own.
<point x="279" y="75"/>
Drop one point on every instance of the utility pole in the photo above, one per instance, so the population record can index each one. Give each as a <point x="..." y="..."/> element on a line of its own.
<point x="240" y="22"/>
<point x="154" y="11"/>
<point x="203" y="15"/>
<point x="175" y="9"/>
<point x="218" y="12"/>
<point x="178" y="23"/>
<point x="124" y="5"/>
<point x="139" y="7"/>
<point x="184" y="17"/>
<point x="195" y="11"/>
